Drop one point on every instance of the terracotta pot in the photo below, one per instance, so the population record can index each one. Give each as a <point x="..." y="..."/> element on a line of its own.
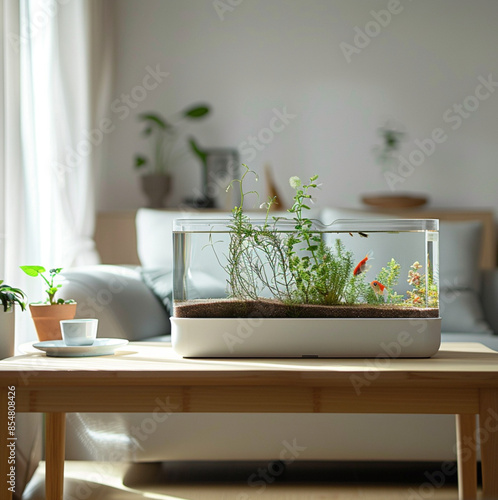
<point x="47" y="319"/>
<point x="156" y="187"/>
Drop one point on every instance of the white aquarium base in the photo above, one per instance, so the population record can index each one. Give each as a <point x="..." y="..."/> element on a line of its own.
<point x="306" y="337"/>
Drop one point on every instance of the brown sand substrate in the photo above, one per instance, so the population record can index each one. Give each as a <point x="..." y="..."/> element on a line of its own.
<point x="267" y="308"/>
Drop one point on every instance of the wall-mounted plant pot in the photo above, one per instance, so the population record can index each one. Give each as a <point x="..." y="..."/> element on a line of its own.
<point x="156" y="187"/>
<point x="7" y="328"/>
<point x="47" y="319"/>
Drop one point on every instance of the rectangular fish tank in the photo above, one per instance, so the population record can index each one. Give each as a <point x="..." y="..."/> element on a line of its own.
<point x="287" y="287"/>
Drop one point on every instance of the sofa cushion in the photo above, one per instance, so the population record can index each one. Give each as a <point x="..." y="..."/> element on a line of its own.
<point x="461" y="312"/>
<point x="489" y="296"/>
<point x="155" y="235"/>
<point x="117" y="297"/>
<point x="460" y="277"/>
<point x="155" y="232"/>
<point x="160" y="281"/>
<point x="459" y="251"/>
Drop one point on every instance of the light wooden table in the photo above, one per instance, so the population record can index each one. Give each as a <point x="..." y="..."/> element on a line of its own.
<point x="462" y="379"/>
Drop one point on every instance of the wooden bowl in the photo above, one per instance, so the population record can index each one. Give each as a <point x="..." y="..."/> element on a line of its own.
<point x="382" y="200"/>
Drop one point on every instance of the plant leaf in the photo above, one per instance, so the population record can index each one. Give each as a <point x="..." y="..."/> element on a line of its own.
<point x="196" y="112"/>
<point x="155" y="119"/>
<point x="194" y="146"/>
<point x="33" y="270"/>
<point x="140" y="161"/>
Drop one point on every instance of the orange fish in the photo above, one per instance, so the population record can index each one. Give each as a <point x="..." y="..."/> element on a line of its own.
<point x="378" y="288"/>
<point x="362" y="265"/>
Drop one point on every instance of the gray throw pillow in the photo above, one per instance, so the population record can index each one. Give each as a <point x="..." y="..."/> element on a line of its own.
<point x="460" y="277"/>
<point x="160" y="281"/>
<point x="461" y="312"/>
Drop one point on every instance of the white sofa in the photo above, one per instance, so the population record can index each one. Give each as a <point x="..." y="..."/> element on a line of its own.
<point x="127" y="307"/>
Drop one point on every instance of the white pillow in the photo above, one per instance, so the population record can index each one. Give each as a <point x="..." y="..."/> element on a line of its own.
<point x="155" y="232"/>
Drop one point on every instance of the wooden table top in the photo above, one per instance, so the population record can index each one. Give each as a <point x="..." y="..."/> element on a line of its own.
<point x="467" y="364"/>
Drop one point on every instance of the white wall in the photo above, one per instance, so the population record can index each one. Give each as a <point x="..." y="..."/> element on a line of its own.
<point x="286" y="54"/>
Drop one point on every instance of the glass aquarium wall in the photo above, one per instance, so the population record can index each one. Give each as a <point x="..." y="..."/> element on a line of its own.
<point x="266" y="268"/>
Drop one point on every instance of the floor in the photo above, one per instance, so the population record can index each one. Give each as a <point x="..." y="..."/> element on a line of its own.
<point x="250" y="481"/>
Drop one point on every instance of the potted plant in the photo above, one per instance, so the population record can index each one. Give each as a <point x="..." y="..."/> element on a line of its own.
<point x="10" y="297"/>
<point x="164" y="134"/>
<point x="47" y="315"/>
<point x="387" y="156"/>
<point x="292" y="286"/>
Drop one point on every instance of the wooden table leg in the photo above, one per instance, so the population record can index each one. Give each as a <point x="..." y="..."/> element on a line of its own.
<point x="488" y="435"/>
<point x="4" y="451"/>
<point x="466" y="456"/>
<point x="55" y="441"/>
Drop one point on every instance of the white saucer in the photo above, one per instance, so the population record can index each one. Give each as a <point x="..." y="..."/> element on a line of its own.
<point x="100" y="347"/>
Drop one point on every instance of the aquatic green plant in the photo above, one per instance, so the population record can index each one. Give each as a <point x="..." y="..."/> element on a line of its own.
<point x="321" y="275"/>
<point x="298" y="267"/>
<point x="424" y="292"/>
<point x="257" y="255"/>
<point x="389" y="277"/>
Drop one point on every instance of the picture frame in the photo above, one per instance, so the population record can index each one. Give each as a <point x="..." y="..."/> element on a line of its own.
<point x="222" y="167"/>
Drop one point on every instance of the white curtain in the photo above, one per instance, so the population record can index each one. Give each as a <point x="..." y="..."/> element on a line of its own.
<point x="66" y="69"/>
<point x="13" y="208"/>
<point x="54" y="81"/>
<point x="13" y="228"/>
<point x="55" y="70"/>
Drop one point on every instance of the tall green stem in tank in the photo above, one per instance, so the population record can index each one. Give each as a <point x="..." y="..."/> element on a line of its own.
<point x="302" y="266"/>
<point x="239" y="269"/>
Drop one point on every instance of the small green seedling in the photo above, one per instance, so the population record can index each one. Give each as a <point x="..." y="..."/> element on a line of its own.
<point x="52" y="288"/>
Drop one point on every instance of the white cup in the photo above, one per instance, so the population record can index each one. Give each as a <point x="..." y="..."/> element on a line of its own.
<point x="79" y="331"/>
